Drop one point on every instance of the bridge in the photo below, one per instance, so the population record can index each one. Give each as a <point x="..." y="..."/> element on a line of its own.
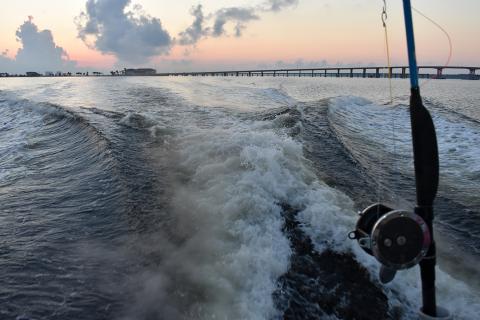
<point x="432" y="72"/>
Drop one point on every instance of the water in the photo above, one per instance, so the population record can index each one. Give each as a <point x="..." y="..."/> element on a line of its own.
<point x="223" y="198"/>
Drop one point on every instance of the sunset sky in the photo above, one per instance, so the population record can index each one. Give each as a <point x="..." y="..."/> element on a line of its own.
<point x="232" y="34"/>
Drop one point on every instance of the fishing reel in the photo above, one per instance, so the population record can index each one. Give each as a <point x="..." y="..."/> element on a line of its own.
<point x="397" y="239"/>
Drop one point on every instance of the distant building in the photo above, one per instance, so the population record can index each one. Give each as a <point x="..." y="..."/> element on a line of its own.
<point x="49" y="74"/>
<point x="140" y="72"/>
<point x="33" y="74"/>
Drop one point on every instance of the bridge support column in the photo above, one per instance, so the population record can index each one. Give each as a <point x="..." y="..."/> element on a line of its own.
<point x="364" y="73"/>
<point x="249" y="74"/>
<point x="404" y="73"/>
<point x="338" y="73"/>
<point x="351" y="73"/>
<point x="439" y="72"/>
<point x="313" y="74"/>
<point x="377" y="72"/>
<point x="325" y="72"/>
<point x="472" y="73"/>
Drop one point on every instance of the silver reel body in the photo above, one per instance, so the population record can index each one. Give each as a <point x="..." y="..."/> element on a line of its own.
<point x="398" y="239"/>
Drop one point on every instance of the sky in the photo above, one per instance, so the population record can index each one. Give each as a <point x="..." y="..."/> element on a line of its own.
<point x="185" y="35"/>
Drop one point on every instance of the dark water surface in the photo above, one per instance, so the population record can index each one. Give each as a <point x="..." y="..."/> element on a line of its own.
<point x="227" y="198"/>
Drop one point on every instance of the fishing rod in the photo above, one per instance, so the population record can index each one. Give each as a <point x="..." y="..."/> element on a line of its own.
<point x="401" y="239"/>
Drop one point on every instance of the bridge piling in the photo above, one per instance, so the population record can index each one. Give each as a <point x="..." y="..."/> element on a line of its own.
<point x="472" y="73"/>
<point x="439" y="72"/>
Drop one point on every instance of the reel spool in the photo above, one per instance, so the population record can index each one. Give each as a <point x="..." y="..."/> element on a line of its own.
<point x="397" y="239"/>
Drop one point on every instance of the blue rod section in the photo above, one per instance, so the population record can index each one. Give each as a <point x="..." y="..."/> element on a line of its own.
<point x="412" y="60"/>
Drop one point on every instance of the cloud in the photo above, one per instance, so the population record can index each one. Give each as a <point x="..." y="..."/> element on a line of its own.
<point x="38" y="52"/>
<point x="132" y="36"/>
<point x="238" y="15"/>
<point x="277" y="5"/>
<point x="305" y="64"/>
<point x="301" y="63"/>
<point x="196" y="30"/>
<point x="7" y="65"/>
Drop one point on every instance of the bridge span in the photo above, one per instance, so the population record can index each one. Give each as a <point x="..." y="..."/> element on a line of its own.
<point x="432" y="72"/>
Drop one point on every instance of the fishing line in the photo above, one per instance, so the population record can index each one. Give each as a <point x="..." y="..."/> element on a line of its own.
<point x="447" y="63"/>
<point x="384" y="17"/>
<point x="384" y="22"/>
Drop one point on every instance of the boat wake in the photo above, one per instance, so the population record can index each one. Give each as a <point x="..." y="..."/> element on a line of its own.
<point x="154" y="206"/>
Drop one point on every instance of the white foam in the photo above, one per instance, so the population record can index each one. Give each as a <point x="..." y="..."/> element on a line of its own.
<point x="235" y="184"/>
<point x="227" y="203"/>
